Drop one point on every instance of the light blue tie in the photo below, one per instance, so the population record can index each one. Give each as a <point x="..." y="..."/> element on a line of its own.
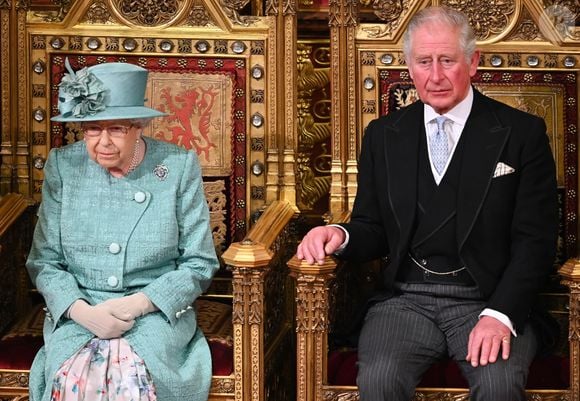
<point x="438" y="146"/>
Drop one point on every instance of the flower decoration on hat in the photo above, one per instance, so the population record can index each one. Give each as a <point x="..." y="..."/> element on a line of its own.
<point x="81" y="93"/>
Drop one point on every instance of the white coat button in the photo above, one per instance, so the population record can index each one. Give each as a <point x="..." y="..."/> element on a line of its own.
<point x="178" y="314"/>
<point x="140" y="197"/>
<point x="114" y="248"/>
<point x="113" y="281"/>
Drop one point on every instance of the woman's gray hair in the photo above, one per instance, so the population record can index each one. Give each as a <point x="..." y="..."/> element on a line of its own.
<point x="140" y="122"/>
<point x="444" y="15"/>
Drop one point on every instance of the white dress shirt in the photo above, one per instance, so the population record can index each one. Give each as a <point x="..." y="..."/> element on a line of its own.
<point x="453" y="127"/>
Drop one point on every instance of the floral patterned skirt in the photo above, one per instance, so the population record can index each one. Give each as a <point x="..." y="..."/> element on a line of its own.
<point x="103" y="370"/>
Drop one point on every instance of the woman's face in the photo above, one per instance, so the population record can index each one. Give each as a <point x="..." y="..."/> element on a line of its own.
<point x="111" y="143"/>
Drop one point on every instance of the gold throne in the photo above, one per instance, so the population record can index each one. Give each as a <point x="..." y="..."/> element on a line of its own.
<point x="217" y="74"/>
<point x="531" y="61"/>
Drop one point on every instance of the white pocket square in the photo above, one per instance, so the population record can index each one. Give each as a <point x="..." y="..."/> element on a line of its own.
<point x="502" y="169"/>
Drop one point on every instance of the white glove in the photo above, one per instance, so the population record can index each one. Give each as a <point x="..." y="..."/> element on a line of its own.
<point x="135" y="305"/>
<point x="101" y="319"/>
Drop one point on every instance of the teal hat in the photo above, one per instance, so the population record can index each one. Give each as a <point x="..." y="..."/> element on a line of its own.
<point x="109" y="91"/>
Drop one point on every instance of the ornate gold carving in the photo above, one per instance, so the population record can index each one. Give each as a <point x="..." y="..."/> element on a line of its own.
<point x="486" y="21"/>
<point x="311" y="188"/>
<point x="5" y="5"/>
<point x="351" y="13"/>
<point x="289" y="7"/>
<point x="38" y="42"/>
<point x="222" y="385"/>
<point x="334" y="17"/>
<point x="148" y="12"/>
<point x="311" y="303"/>
<point x="574" y="316"/>
<point x="22" y="69"/>
<point x="14" y="379"/>
<point x="215" y="193"/>
<point x="309" y="78"/>
<point x="24" y="4"/>
<point x="198" y="16"/>
<point x="526" y="29"/>
<point x="390" y="12"/>
<point x="369" y="106"/>
<point x="258" y="192"/>
<point x="232" y="8"/>
<point x="271" y="7"/>
<point x="311" y="132"/>
<point x="313" y="125"/>
<point x="39" y="138"/>
<point x="38" y="90"/>
<point x="441" y="396"/>
<point x="257" y="96"/>
<point x="112" y="44"/>
<point x="6" y="142"/>
<point x="63" y="8"/>
<point x="346" y="394"/>
<point x="98" y="13"/>
<point x="257" y="47"/>
<point x="340" y="395"/>
<point x="255" y="306"/>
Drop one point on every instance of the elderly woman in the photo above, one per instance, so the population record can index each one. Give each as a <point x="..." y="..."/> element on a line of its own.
<point x="121" y="250"/>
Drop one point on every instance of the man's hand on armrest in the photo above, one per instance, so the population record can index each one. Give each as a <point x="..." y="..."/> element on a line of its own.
<point x="319" y="242"/>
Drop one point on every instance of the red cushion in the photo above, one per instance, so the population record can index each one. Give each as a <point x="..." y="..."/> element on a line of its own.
<point x="551" y="372"/>
<point x="222" y="356"/>
<point x="18" y="353"/>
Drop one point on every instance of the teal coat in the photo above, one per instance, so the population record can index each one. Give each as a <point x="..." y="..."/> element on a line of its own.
<point x="100" y="237"/>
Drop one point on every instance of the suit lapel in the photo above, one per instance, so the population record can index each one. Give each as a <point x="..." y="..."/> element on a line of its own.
<point x="401" y="155"/>
<point x="485" y="139"/>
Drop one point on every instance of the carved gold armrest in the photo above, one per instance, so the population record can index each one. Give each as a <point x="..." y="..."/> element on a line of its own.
<point x="312" y="294"/>
<point x="570" y="273"/>
<point x="250" y="263"/>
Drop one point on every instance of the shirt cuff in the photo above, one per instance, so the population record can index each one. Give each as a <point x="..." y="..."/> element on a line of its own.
<point x="346" y="238"/>
<point x="499" y="316"/>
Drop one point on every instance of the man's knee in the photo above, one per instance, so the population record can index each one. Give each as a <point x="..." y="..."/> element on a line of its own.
<point x="385" y="382"/>
<point x="497" y="382"/>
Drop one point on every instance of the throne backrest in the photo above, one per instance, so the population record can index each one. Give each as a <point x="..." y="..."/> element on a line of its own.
<point x="529" y="60"/>
<point x="212" y="73"/>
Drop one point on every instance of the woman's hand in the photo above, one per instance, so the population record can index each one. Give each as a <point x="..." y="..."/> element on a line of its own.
<point x="135" y="305"/>
<point x="101" y="320"/>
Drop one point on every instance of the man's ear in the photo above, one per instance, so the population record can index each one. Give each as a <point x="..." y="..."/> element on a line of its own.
<point x="474" y="63"/>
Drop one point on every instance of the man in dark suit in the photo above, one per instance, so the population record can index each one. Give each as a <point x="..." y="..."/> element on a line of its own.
<point x="458" y="193"/>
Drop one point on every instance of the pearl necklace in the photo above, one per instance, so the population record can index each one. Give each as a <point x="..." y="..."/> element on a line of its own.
<point x="135" y="159"/>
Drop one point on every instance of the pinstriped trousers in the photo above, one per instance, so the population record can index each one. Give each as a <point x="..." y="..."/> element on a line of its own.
<point x="404" y="335"/>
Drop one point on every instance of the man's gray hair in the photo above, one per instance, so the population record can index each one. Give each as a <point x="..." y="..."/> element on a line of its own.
<point x="444" y="15"/>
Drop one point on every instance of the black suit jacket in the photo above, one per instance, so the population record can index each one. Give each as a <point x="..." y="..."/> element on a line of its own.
<point x="506" y="226"/>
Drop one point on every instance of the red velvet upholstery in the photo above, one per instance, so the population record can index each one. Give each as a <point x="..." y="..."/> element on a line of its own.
<point x="18" y="353"/>
<point x="551" y="372"/>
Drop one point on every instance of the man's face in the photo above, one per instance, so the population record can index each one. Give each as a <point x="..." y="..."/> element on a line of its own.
<point x="438" y="66"/>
